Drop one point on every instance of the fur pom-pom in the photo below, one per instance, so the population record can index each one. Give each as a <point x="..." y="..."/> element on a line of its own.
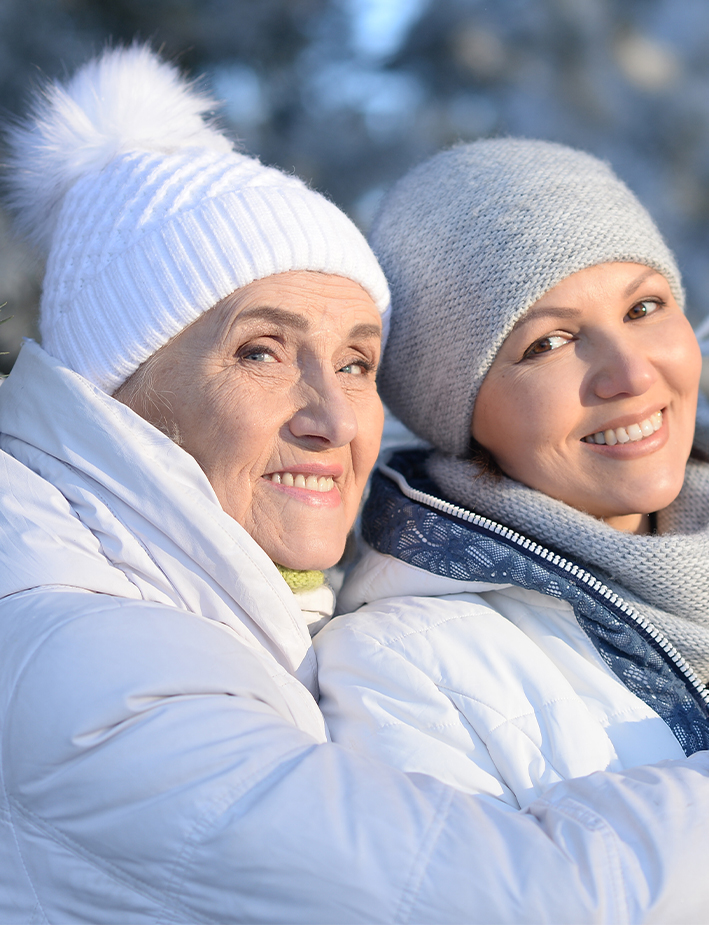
<point x="125" y="100"/>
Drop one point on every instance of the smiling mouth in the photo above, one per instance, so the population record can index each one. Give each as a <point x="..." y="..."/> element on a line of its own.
<point x="631" y="434"/>
<point x="322" y="483"/>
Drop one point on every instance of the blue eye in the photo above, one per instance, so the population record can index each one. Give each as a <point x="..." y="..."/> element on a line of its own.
<point x="356" y="368"/>
<point x="259" y="355"/>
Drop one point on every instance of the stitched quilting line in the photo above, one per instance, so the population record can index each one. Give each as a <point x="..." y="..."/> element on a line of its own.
<point x="11" y="822"/>
<point x="261" y="776"/>
<point x="110" y="870"/>
<point x="412" y="888"/>
<point x="393" y="523"/>
<point x="385" y="646"/>
<point x="578" y="813"/>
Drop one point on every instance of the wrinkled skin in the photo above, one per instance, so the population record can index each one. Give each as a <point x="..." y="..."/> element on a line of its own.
<point x="277" y="378"/>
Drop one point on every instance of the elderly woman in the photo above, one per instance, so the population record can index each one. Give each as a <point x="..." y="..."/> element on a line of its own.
<point x="535" y="596"/>
<point x="186" y="451"/>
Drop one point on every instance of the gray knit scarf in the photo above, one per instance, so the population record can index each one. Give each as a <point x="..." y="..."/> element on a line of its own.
<point x="665" y="576"/>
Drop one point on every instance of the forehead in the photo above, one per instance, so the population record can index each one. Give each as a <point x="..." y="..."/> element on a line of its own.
<point x="573" y="295"/>
<point x="302" y="300"/>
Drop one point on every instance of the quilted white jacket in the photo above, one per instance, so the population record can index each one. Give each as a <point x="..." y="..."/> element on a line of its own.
<point x="494" y="691"/>
<point x="481" y="658"/>
<point x="162" y="756"/>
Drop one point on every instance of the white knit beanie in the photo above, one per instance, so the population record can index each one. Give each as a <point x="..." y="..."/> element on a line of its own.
<point x="148" y="217"/>
<point x="469" y="240"/>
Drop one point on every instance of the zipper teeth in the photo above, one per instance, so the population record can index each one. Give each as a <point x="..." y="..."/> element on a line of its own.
<point x="580" y="574"/>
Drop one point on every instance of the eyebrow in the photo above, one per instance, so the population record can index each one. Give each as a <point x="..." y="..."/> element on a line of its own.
<point x="277" y="315"/>
<point x="561" y="312"/>
<point x="366" y="330"/>
<point x="298" y="322"/>
<point x="543" y="311"/>
<point x="639" y="280"/>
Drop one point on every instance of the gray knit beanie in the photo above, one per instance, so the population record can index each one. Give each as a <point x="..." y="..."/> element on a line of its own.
<point x="469" y="240"/>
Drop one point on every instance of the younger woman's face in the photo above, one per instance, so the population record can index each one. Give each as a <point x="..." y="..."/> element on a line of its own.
<point x="592" y="397"/>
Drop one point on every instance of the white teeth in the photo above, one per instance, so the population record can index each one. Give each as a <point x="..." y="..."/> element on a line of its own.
<point x="632" y="433"/>
<point x="622" y="435"/>
<point x="321" y="483"/>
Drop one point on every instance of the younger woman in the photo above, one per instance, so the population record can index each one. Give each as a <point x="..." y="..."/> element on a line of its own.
<point x="535" y="595"/>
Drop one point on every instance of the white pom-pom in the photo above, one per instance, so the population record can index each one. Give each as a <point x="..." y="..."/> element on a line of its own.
<point x="127" y="99"/>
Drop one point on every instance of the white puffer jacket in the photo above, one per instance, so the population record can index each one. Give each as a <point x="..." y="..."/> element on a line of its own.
<point x="466" y="658"/>
<point x="496" y="692"/>
<point x="162" y="757"/>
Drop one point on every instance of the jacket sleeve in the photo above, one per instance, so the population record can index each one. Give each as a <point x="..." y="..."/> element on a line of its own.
<point x="450" y="687"/>
<point x="152" y="772"/>
<point x="386" y="692"/>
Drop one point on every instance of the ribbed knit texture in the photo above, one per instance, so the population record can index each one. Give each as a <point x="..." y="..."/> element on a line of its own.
<point x="666" y="576"/>
<point x="301" y="579"/>
<point x="147" y="245"/>
<point x="146" y="232"/>
<point x="469" y="240"/>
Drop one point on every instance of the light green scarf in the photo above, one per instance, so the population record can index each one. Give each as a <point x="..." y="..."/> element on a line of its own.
<point x="301" y="579"/>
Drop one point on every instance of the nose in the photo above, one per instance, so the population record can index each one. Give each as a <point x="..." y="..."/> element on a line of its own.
<point x="623" y="368"/>
<point x="325" y="415"/>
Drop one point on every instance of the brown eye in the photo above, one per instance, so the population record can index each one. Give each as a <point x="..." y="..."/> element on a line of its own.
<point x="545" y="345"/>
<point x="541" y="346"/>
<point x="642" y="309"/>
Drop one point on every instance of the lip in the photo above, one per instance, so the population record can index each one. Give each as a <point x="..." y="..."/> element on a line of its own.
<point x="327" y="499"/>
<point x="632" y="450"/>
<point x="627" y="419"/>
<point x="332" y="470"/>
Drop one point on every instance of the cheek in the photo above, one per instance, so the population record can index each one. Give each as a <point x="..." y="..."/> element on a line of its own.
<point x="364" y="451"/>
<point x="687" y="366"/>
<point x="233" y="432"/>
<point x="681" y="367"/>
<point x="504" y="415"/>
<point x="370" y="424"/>
<point x="523" y="421"/>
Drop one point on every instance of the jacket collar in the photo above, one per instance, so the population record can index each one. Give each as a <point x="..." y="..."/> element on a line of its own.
<point x="160" y="492"/>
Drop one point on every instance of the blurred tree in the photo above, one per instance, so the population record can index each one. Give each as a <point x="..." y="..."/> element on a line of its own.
<point x="350" y="93"/>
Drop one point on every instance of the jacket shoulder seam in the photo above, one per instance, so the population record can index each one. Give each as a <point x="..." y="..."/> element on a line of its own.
<point x="102" y="864"/>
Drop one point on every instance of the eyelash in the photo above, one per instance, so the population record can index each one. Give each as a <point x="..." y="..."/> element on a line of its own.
<point x="658" y="303"/>
<point x="251" y="351"/>
<point x="364" y="365"/>
<point x="529" y="352"/>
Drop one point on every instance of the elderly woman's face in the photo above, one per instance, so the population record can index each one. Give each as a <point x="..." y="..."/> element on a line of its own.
<point x="592" y="397"/>
<point x="273" y="392"/>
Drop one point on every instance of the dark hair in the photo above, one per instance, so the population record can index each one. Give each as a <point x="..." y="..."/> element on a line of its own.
<point x="483" y="460"/>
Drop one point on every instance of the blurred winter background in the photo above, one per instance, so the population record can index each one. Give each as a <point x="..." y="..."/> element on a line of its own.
<point x="350" y="93"/>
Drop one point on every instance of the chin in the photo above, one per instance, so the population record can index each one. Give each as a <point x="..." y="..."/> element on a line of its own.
<point x="661" y="497"/>
<point x="310" y="557"/>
